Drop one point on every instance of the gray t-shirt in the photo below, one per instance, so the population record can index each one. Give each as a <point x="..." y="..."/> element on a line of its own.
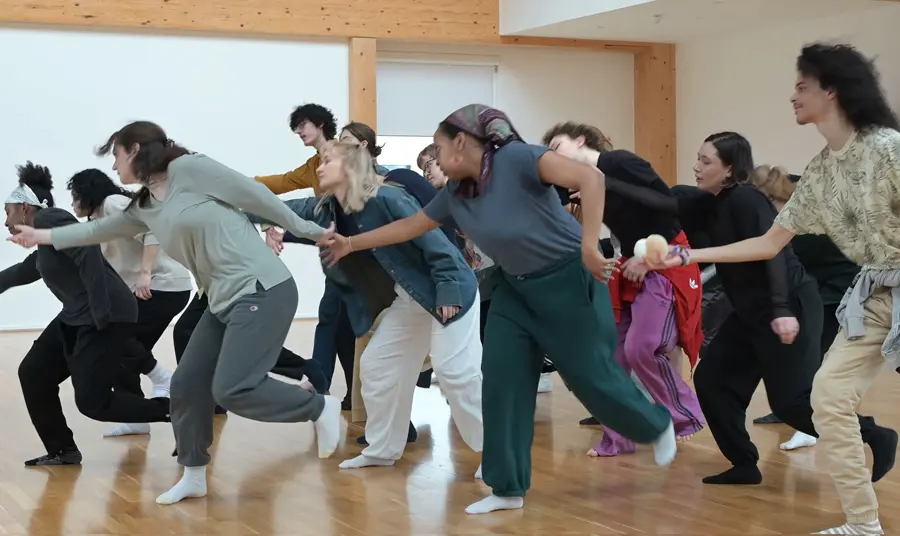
<point x="517" y="220"/>
<point x="199" y="224"/>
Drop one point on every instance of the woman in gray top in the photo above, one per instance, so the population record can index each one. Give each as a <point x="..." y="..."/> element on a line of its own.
<point x="546" y="298"/>
<point x="191" y="204"/>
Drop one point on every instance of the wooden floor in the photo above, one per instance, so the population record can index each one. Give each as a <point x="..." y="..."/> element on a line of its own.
<point x="267" y="479"/>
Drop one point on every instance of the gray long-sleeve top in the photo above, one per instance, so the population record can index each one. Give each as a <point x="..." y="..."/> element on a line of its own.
<point x="199" y="224"/>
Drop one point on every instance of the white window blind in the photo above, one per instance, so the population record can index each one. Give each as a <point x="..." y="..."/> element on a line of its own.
<point x="414" y="96"/>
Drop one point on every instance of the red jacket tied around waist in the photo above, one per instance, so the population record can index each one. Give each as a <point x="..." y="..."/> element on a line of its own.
<point x="688" y="294"/>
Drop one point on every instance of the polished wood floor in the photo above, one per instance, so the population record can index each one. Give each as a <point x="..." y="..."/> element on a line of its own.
<point x="267" y="479"/>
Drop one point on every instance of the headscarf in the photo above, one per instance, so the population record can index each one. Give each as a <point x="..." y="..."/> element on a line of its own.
<point x="24" y="194"/>
<point x="491" y="126"/>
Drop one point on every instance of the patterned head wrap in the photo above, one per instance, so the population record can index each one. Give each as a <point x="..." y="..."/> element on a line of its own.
<point x="24" y="194"/>
<point x="492" y="127"/>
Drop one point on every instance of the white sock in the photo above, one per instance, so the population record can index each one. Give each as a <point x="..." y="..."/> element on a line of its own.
<point x="493" y="503"/>
<point x="161" y="378"/>
<point x="192" y="484"/>
<point x="328" y="427"/>
<point x="124" y="429"/>
<point x="799" y="441"/>
<point x="478" y="473"/>
<point x="365" y="461"/>
<point x="873" y="528"/>
<point x="665" y="447"/>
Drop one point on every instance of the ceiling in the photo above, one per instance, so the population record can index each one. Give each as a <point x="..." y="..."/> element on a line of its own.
<point x="669" y="21"/>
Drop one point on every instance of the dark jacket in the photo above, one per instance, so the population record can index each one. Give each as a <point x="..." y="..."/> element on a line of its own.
<point x="91" y="291"/>
<point x="429" y="268"/>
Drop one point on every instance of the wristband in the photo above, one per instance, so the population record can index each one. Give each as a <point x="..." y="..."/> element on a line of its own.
<point x="350" y="243"/>
<point x="683" y="253"/>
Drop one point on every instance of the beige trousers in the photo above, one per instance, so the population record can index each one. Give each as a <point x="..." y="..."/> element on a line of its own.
<point x="849" y="369"/>
<point x="358" y="413"/>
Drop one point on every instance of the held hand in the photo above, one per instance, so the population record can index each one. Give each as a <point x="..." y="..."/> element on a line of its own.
<point x="28" y="237"/>
<point x="275" y="240"/>
<point x="601" y="267"/>
<point x="142" y="290"/>
<point x="786" y="328"/>
<point x="335" y="249"/>
<point x="671" y="260"/>
<point x="635" y="270"/>
<point x="447" y="312"/>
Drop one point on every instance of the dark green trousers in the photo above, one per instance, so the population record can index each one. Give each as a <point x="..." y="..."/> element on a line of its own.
<point x="565" y="313"/>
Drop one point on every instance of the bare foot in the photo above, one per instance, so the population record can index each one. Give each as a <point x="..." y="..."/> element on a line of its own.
<point x="593" y="453"/>
<point x="685" y="439"/>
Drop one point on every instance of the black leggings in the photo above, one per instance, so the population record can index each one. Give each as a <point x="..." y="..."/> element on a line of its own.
<point x="93" y="360"/>
<point x="745" y="352"/>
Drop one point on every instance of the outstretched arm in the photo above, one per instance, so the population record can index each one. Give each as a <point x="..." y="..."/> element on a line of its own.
<point x="20" y="274"/>
<point x="337" y="246"/>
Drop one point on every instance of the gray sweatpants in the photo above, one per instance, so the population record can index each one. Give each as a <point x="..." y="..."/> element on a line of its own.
<point x="228" y="361"/>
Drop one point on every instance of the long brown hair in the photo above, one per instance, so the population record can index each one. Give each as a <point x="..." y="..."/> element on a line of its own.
<point x="156" y="151"/>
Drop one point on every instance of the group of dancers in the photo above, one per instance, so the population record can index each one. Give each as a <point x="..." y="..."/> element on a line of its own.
<point x="483" y="267"/>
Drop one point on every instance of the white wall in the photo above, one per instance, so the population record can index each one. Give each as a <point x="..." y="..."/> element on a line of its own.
<point x="743" y="82"/>
<point x="539" y="87"/>
<point x="64" y="92"/>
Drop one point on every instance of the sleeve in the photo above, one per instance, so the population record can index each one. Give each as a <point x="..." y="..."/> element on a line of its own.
<point x="121" y="225"/>
<point x="529" y="155"/>
<point x="439" y="208"/>
<point x="92" y="272"/>
<point x="436" y="249"/>
<point x="802" y="213"/>
<point x="230" y="187"/>
<point x="753" y="216"/>
<point x="302" y="177"/>
<point x="116" y="204"/>
<point x="303" y="207"/>
<point x="630" y="168"/>
<point x="20" y="274"/>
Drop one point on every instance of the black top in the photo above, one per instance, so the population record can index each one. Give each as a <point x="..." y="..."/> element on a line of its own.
<point x="91" y="291"/>
<point x="627" y="220"/>
<point x="419" y="187"/>
<point x="824" y="261"/>
<point x="758" y="290"/>
<point x="364" y="273"/>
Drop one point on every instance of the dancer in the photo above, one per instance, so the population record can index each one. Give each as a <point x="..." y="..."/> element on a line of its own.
<point x="857" y="174"/>
<point x="86" y="340"/>
<point x="662" y="307"/>
<point x="833" y="272"/>
<point x="316" y="125"/>
<point x="162" y="286"/>
<point x="188" y="202"/>
<point x="421" y="293"/>
<point x="546" y="297"/>
<point x="773" y="333"/>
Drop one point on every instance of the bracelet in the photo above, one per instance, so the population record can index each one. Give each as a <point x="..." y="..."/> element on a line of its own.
<point x="683" y="253"/>
<point x="350" y="243"/>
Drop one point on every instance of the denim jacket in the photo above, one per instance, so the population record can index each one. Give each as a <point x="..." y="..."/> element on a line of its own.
<point x="429" y="268"/>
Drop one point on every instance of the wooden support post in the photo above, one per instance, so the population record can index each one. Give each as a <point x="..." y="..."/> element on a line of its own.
<point x="363" y="88"/>
<point x="654" y="109"/>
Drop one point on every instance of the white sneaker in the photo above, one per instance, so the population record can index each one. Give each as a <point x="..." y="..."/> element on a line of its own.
<point x="546" y="383"/>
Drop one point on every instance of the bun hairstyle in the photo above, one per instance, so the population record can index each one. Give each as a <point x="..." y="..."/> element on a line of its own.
<point x="775" y="182"/>
<point x="40" y="181"/>
<point x="364" y="133"/>
<point x="156" y="151"/>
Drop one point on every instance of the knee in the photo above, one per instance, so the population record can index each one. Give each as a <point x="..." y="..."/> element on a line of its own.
<point x="91" y="404"/>
<point x="227" y="395"/>
<point x="828" y="397"/>
<point x="30" y="373"/>
<point x="704" y="379"/>
<point x="639" y="347"/>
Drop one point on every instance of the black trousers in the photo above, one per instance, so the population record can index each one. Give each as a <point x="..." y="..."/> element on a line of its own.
<point x="154" y="316"/>
<point x="93" y="360"/>
<point x="742" y="354"/>
<point x="289" y="364"/>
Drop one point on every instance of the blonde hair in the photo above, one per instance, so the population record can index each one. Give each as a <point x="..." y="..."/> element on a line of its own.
<point x="774" y="182"/>
<point x="358" y="168"/>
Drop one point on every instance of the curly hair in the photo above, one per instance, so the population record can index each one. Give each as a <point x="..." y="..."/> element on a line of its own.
<point x="91" y="187"/>
<point x="853" y="77"/>
<point x="316" y="114"/>
<point x="39" y="179"/>
<point x="594" y="138"/>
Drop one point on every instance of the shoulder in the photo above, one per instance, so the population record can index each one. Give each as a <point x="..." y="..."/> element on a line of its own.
<point x="391" y="192"/>
<point x="746" y="196"/>
<point x="191" y="162"/>
<point x="884" y="142"/>
<point x="405" y="177"/>
<point x="53" y="217"/>
<point x="520" y="151"/>
<point x="115" y="203"/>
<point x="619" y="157"/>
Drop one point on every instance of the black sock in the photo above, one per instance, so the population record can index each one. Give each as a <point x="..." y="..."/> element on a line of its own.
<point x="737" y="475"/>
<point x="411" y="436"/>
<point x="883" y="443"/>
